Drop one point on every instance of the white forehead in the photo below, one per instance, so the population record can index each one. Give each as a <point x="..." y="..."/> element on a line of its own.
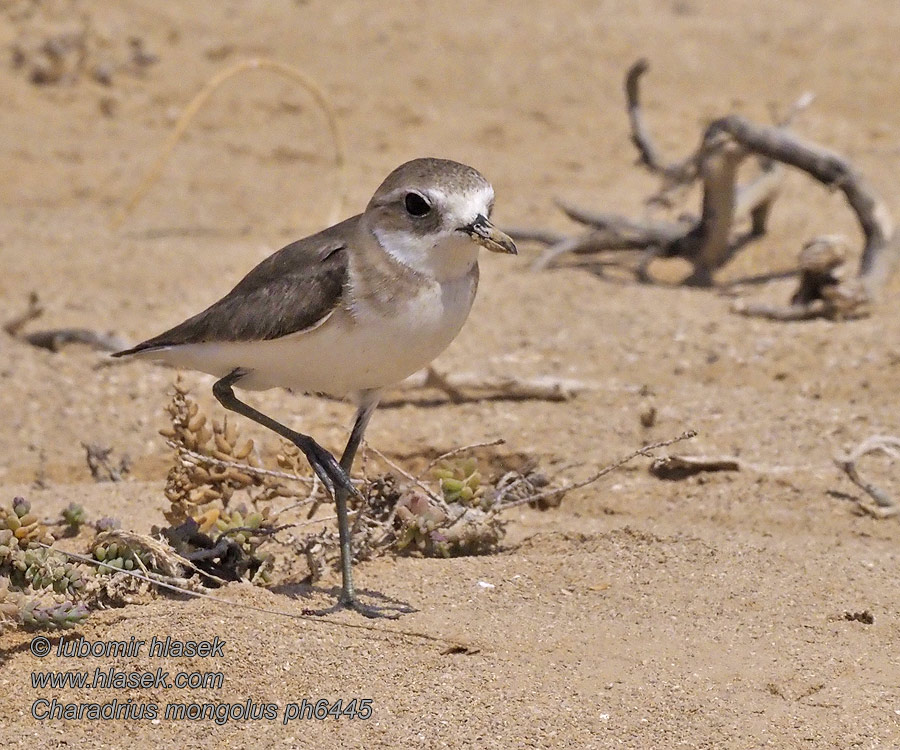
<point x="464" y="206"/>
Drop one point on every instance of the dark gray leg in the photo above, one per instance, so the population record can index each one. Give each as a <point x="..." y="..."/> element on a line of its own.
<point x="322" y="462"/>
<point x="335" y="476"/>
<point x="363" y="414"/>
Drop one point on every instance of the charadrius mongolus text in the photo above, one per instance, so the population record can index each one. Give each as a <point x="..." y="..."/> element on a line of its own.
<point x="348" y="311"/>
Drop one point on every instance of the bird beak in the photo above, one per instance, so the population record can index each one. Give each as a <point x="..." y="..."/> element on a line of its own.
<point x="489" y="237"/>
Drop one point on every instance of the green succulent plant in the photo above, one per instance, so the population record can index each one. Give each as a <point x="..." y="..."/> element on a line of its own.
<point x="24" y="526"/>
<point x="74" y="516"/>
<point x="54" y="616"/>
<point x="42" y="568"/>
<point x="460" y="482"/>
<point x="121" y="557"/>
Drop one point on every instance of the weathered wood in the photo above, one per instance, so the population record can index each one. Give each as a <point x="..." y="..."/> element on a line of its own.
<point x="710" y="241"/>
<point x="881" y="250"/>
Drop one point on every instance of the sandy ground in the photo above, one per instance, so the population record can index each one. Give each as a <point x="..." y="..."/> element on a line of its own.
<point x="707" y="613"/>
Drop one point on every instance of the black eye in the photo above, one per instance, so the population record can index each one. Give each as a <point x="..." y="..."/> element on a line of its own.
<point x="416" y="205"/>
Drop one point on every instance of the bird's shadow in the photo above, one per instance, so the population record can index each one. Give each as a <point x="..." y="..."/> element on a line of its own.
<point x="385" y="606"/>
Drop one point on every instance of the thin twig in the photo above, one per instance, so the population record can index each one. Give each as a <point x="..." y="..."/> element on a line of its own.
<point x="323" y="519"/>
<point x="644" y="451"/>
<point x="420" y="484"/>
<point x="34" y="310"/>
<point x="311" y="497"/>
<point x="462" y="449"/>
<point x="247" y="468"/>
<point x="887" y="444"/>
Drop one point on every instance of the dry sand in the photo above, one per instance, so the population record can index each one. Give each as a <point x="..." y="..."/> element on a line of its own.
<point x="707" y="613"/>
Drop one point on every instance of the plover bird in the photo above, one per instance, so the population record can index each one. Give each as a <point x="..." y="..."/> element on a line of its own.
<point x="348" y="311"/>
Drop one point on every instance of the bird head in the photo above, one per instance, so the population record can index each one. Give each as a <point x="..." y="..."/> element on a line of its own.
<point x="433" y="215"/>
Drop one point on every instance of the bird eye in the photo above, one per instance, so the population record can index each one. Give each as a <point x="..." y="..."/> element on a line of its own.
<point x="416" y="205"/>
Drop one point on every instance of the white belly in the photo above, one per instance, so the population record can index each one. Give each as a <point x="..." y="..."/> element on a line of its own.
<point x="345" y="354"/>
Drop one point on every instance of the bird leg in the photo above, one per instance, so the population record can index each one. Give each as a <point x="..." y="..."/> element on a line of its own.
<point x="335" y="476"/>
<point x="348" y="595"/>
<point x="325" y="465"/>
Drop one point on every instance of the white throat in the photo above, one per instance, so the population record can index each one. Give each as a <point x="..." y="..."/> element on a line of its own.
<point x="444" y="257"/>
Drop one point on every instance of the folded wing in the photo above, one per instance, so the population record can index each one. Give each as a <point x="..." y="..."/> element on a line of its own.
<point x="294" y="289"/>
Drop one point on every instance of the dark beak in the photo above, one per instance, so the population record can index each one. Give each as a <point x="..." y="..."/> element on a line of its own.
<point x="489" y="237"/>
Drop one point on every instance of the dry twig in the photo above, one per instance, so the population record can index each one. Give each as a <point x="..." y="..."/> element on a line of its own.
<point x="711" y="240"/>
<point x="643" y="451"/>
<point x="101" y="467"/>
<point x="677" y="172"/>
<point x="54" y="339"/>
<point x="201" y="459"/>
<point x="890" y="446"/>
<point x="35" y="309"/>
<point x="462" y="449"/>
<point x="460" y="387"/>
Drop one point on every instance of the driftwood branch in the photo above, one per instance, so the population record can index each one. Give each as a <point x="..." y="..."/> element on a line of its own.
<point x="35" y="309"/>
<point x="677" y="172"/>
<point x="821" y="291"/>
<point x="460" y="387"/>
<point x="54" y="339"/>
<point x="711" y="240"/>
<point x="881" y="248"/>
<point x="680" y="467"/>
<point x="708" y="241"/>
<point x="885" y="506"/>
<point x="674" y="467"/>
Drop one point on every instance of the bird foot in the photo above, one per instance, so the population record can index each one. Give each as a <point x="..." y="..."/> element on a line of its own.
<point x="351" y="602"/>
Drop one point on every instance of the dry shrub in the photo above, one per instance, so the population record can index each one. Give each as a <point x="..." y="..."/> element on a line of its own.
<point x="222" y="513"/>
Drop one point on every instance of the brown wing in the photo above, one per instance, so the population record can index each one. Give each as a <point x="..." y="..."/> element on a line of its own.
<point x="289" y="291"/>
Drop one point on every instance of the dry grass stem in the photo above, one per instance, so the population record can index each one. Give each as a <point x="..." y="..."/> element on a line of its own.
<point x="462" y="449"/>
<point x="194" y="458"/>
<point x="194" y="106"/>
